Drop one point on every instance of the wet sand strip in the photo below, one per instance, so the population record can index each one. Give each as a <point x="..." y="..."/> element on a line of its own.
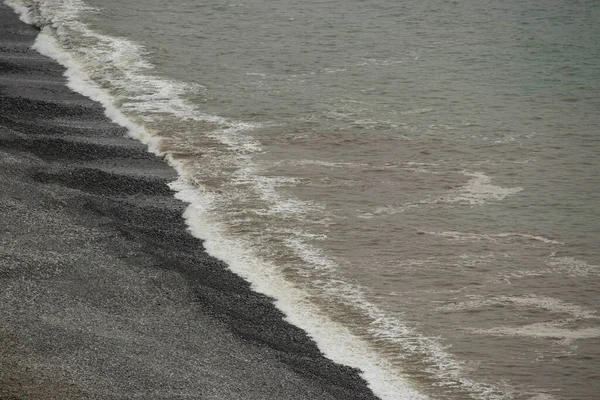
<point x="103" y="292"/>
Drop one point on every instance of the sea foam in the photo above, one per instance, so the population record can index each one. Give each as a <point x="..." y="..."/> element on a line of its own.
<point x="336" y="341"/>
<point x="478" y="190"/>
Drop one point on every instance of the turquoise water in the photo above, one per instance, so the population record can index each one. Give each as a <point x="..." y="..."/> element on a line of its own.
<point x="425" y="172"/>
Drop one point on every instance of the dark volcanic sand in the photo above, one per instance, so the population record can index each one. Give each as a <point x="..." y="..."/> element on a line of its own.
<point x="103" y="292"/>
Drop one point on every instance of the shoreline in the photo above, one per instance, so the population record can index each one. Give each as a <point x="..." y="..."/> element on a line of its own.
<point x="104" y="292"/>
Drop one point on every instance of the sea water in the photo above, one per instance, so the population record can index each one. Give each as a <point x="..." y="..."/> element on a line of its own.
<point x="415" y="182"/>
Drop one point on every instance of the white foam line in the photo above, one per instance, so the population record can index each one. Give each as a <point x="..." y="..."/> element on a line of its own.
<point x="77" y="81"/>
<point x="322" y="163"/>
<point x="543" y="396"/>
<point x="548" y="303"/>
<point x="21" y="10"/>
<point x="546" y="330"/>
<point x="119" y="63"/>
<point x="569" y="266"/>
<point x="572" y="267"/>
<point x="492" y="236"/>
<point x="335" y="340"/>
<point x="532" y="237"/>
<point x="440" y="363"/>
<point x="478" y="190"/>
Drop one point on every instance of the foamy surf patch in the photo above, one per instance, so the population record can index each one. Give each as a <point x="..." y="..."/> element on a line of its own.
<point x="321" y="163"/>
<point x="547" y="330"/>
<point x="248" y="178"/>
<point x="478" y="190"/>
<point x="21" y="10"/>
<point x="383" y="211"/>
<point x="572" y="267"/>
<point x="46" y="12"/>
<point x="543" y="396"/>
<point x="335" y="340"/>
<point x="567" y="266"/>
<point x="531" y="301"/>
<point x="116" y="64"/>
<point x="114" y="72"/>
<point x="468" y="236"/>
<point x="78" y="81"/>
<point x="436" y="361"/>
<point x="231" y="134"/>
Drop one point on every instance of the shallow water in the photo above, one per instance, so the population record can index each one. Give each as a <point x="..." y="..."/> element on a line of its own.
<point x="424" y="172"/>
